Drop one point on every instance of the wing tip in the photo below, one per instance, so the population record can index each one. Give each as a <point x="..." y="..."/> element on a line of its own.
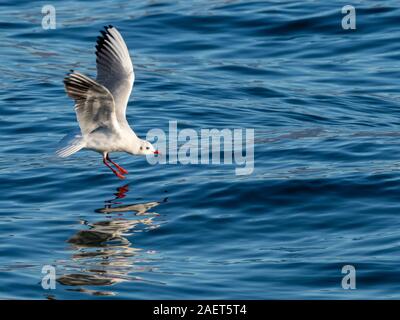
<point x="101" y="43"/>
<point x="77" y="85"/>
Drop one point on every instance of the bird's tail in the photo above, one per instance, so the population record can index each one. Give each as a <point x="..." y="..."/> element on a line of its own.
<point x="70" y="144"/>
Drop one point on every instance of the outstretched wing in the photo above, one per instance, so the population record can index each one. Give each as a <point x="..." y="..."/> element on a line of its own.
<point x="115" y="69"/>
<point x="94" y="104"/>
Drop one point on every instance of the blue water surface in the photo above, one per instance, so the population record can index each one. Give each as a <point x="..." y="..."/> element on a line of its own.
<point x="325" y="191"/>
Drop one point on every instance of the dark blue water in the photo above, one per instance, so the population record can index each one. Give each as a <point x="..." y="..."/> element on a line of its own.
<point x="325" y="191"/>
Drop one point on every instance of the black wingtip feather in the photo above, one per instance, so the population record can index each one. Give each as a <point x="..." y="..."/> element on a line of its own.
<point x="101" y="39"/>
<point x="77" y="86"/>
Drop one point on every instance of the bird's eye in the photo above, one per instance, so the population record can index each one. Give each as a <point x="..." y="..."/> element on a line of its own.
<point x="147" y="148"/>
<point x="141" y="148"/>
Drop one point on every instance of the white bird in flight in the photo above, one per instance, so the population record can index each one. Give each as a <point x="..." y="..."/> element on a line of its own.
<point x="101" y="105"/>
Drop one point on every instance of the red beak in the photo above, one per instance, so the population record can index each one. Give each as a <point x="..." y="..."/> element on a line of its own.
<point x="156" y="152"/>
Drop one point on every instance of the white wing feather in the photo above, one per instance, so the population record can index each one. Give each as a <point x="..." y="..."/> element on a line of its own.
<point x="115" y="69"/>
<point x="94" y="104"/>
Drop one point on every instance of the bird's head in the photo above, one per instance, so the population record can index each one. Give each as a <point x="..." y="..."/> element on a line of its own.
<point x="146" y="148"/>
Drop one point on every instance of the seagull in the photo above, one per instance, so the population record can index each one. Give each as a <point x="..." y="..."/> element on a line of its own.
<point x="100" y="105"/>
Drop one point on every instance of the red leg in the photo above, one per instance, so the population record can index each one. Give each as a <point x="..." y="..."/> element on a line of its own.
<point x="119" y="175"/>
<point x="120" y="169"/>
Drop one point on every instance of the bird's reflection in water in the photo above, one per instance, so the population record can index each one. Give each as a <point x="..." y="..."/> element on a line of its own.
<point x="103" y="255"/>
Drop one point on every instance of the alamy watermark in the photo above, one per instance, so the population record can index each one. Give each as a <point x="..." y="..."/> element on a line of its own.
<point x="208" y="146"/>
<point x="49" y="278"/>
<point x="349" y="280"/>
<point x="49" y="17"/>
<point x="349" y="20"/>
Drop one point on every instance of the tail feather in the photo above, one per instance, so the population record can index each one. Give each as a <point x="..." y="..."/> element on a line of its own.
<point x="71" y="143"/>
